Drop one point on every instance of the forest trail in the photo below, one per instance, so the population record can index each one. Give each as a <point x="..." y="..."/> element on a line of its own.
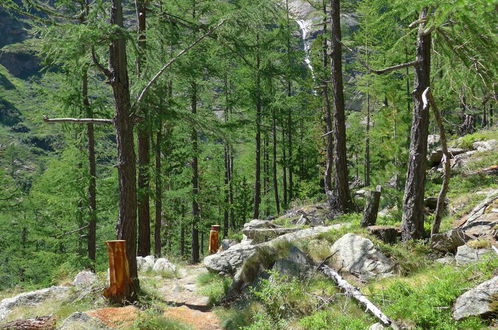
<point x="188" y="304"/>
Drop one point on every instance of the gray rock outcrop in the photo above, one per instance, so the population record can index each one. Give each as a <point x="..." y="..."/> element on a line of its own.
<point x="31" y="299"/>
<point x="358" y="256"/>
<point x="82" y="321"/>
<point x="227" y="261"/>
<point x="145" y="264"/>
<point x="163" y="265"/>
<point x="84" y="278"/>
<point x="296" y="263"/>
<point x="483" y="218"/>
<point x="449" y="241"/>
<point x="477" y="301"/>
<point x="466" y="254"/>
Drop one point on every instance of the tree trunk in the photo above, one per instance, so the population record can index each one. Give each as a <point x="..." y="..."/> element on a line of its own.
<point x="195" y="181"/>
<point x="92" y="172"/>
<point x="257" y="178"/>
<point x="371" y="207"/>
<point x="143" y="146"/>
<point x="159" y="186"/>
<point x="226" y="208"/>
<point x="275" y="174"/>
<point x="127" y="228"/>
<point x="367" y="134"/>
<point x="341" y="199"/>
<point x="413" y="205"/>
<point x="266" y="172"/>
<point x="328" y="112"/>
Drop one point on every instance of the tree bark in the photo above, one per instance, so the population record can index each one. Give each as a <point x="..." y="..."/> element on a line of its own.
<point x="413" y="205"/>
<point x="127" y="228"/>
<point x="329" y="160"/>
<point x="158" y="201"/>
<point x="92" y="172"/>
<point x="195" y="181"/>
<point x="341" y="197"/>
<point x="428" y="100"/>
<point x="257" y="176"/>
<point x="274" y="163"/>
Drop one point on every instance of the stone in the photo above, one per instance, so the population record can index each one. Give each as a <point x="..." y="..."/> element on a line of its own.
<point x="227" y="243"/>
<point x="449" y="241"/>
<point x="447" y="260"/>
<point x="145" y="264"/>
<point x="312" y="215"/>
<point x="31" y="298"/>
<point x="485" y="145"/>
<point x="358" y="256"/>
<point x="388" y="234"/>
<point x="227" y="261"/>
<point x="481" y="221"/>
<point x="461" y="160"/>
<point x="433" y="140"/>
<point x="82" y="321"/>
<point x="297" y="263"/>
<point x="257" y="224"/>
<point x="436" y="156"/>
<point x="84" y="278"/>
<point x="39" y="322"/>
<point x="259" y="235"/>
<point x="481" y="300"/>
<point x="162" y="265"/>
<point x="376" y="326"/>
<point x="466" y="254"/>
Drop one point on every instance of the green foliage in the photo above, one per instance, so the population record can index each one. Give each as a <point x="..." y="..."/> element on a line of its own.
<point x="214" y="286"/>
<point x="153" y="320"/>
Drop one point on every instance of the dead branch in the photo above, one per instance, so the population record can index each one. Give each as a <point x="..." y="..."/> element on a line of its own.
<point x="173" y="60"/>
<point x="78" y="120"/>
<point x="356" y="294"/>
<point x="72" y="231"/>
<point x="99" y="66"/>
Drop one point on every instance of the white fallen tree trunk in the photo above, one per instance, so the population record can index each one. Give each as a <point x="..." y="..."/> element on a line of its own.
<point x="355" y="293"/>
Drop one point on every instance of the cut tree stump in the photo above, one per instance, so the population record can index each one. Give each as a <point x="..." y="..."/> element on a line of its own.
<point x="214" y="237"/>
<point x="371" y="207"/>
<point x="119" y="272"/>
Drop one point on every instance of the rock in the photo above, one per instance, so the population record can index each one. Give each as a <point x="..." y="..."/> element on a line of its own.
<point x="481" y="221"/>
<point x="436" y="156"/>
<point x="477" y="301"/>
<point x="297" y="263"/>
<point x="433" y="140"/>
<point x="376" y="326"/>
<point x="448" y="260"/>
<point x="258" y="224"/>
<point x="485" y="145"/>
<point x="82" y="321"/>
<point x="449" y="241"/>
<point x="227" y="243"/>
<point x="466" y="254"/>
<point x="263" y="256"/>
<point x="461" y="160"/>
<point x="162" y="265"/>
<point x="358" y="256"/>
<point x="259" y="235"/>
<point x="388" y="234"/>
<point x="39" y="322"/>
<point x="31" y="299"/>
<point x="145" y="264"/>
<point x="313" y="215"/>
<point x="227" y="262"/>
<point x="84" y="278"/>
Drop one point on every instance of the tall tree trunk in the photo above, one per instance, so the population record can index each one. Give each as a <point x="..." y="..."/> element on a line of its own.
<point x="367" y="143"/>
<point x="127" y="227"/>
<point x="413" y="201"/>
<point x="284" y="168"/>
<point x="159" y="186"/>
<point x="341" y="199"/>
<point x="143" y="145"/>
<point x="266" y="172"/>
<point x="327" y="110"/>
<point x="92" y="171"/>
<point x="195" y="181"/>
<point x="227" y="207"/>
<point x="275" y="177"/>
<point x="257" y="176"/>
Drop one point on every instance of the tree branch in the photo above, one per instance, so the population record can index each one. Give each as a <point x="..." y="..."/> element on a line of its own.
<point x="102" y="68"/>
<point x="72" y="231"/>
<point x="385" y="70"/>
<point x="78" y="120"/>
<point x="173" y="60"/>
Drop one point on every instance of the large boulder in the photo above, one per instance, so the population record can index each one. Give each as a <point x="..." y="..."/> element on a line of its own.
<point x="312" y="215"/>
<point x="227" y="261"/>
<point x="449" y="241"/>
<point x="145" y="264"/>
<point x="162" y="265"/>
<point x="388" y="234"/>
<point x="227" y="243"/>
<point x="296" y="263"/>
<point x="259" y="235"/>
<point x="481" y="221"/>
<point x="466" y="254"/>
<point x="32" y="298"/>
<point x="357" y="255"/>
<point x="485" y="145"/>
<point x="481" y="300"/>
<point x="84" y="278"/>
<point x="82" y="321"/>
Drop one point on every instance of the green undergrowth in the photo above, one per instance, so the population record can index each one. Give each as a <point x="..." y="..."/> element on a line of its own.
<point x="467" y="140"/>
<point x="424" y="299"/>
<point x="213" y="286"/>
<point x="153" y="319"/>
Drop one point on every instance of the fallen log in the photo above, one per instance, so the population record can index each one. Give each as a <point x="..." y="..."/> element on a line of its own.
<point x="355" y="293"/>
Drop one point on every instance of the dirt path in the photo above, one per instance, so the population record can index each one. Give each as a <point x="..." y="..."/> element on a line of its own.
<point x="190" y="306"/>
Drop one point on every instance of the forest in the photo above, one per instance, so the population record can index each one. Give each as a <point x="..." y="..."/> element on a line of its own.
<point x="150" y="121"/>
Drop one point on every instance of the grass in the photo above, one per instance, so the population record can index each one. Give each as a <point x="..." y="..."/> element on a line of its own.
<point x="154" y="320"/>
<point x="213" y="286"/>
<point x="467" y="140"/>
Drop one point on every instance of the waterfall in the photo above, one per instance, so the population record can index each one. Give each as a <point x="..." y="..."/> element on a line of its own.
<point x="305" y="27"/>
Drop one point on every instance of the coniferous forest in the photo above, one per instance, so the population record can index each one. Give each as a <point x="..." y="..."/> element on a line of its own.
<point x="361" y="133"/>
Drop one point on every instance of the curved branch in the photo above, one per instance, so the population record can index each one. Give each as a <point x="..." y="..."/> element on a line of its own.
<point x="78" y="120"/>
